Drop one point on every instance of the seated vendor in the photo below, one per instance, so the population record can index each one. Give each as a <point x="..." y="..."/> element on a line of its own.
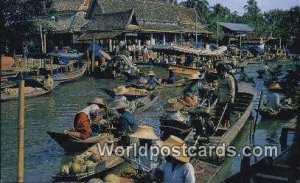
<point x="83" y="119"/>
<point x="152" y="81"/>
<point x="172" y="76"/>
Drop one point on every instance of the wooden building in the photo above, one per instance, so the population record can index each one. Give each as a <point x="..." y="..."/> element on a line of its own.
<point x="136" y="22"/>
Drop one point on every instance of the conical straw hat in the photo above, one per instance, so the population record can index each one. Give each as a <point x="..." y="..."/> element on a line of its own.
<point x="172" y="142"/>
<point x="121" y="90"/>
<point x="173" y="107"/>
<point x="145" y="132"/>
<point x="151" y="73"/>
<point x="274" y="86"/>
<point x="98" y="101"/>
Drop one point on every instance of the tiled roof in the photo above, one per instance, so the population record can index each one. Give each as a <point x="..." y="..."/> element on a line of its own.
<point x="66" y="5"/>
<point x="145" y="9"/>
<point x="110" y="21"/>
<point x="66" y="22"/>
<point x="234" y="27"/>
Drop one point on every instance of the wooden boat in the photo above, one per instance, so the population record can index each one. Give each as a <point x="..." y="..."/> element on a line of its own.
<point x="8" y="84"/>
<point x="283" y="168"/>
<point x="96" y="169"/>
<point x="33" y="88"/>
<point x="72" y="145"/>
<point x="132" y="94"/>
<point x="163" y="84"/>
<point x="185" y="70"/>
<point x="282" y="114"/>
<point x="145" y="103"/>
<point x="242" y="108"/>
<point x="172" y="127"/>
<point x="70" y="76"/>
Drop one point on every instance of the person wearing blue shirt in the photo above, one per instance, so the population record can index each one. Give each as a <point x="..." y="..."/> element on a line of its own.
<point x="98" y="55"/>
<point x="172" y="76"/>
<point x="127" y="121"/>
<point x="152" y="81"/>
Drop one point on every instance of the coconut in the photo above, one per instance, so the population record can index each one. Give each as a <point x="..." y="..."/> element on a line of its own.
<point x="89" y="165"/>
<point x="65" y="169"/>
<point x="95" y="157"/>
<point x="79" y="160"/>
<point x="70" y="164"/>
<point x="83" y="168"/>
<point x="76" y="168"/>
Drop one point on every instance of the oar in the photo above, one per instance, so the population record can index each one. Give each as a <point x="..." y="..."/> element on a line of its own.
<point x="256" y="117"/>
<point x="220" y="120"/>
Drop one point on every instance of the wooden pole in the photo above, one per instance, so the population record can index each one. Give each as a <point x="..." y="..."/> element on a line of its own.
<point x="21" y="131"/>
<point x="256" y="118"/>
<point x="93" y="54"/>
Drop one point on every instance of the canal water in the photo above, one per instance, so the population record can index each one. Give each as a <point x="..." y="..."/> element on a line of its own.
<point x="55" y="112"/>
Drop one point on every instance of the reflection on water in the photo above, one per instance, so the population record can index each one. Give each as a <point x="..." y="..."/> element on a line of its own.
<point x="55" y="112"/>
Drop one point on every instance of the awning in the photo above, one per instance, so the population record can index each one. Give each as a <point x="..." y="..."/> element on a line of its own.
<point x="99" y="35"/>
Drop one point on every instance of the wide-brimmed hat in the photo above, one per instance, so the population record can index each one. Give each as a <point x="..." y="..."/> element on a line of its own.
<point x="121" y="90"/>
<point x="145" y="132"/>
<point x="174" y="141"/>
<point x="175" y="116"/>
<point x="274" y="86"/>
<point x="151" y="73"/>
<point x="173" y="106"/>
<point x="120" y="105"/>
<point x="194" y="76"/>
<point x="98" y="101"/>
<point x="171" y="68"/>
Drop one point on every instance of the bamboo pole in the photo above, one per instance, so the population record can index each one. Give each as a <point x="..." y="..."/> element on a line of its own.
<point x="21" y="131"/>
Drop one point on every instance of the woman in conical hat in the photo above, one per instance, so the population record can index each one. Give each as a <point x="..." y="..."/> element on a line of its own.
<point x="146" y="136"/>
<point x="173" y="111"/>
<point x="177" y="167"/>
<point x="152" y="81"/>
<point x="274" y="87"/>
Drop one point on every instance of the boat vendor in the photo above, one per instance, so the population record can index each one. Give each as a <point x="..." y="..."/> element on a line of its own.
<point x="48" y="82"/>
<point x="193" y="86"/>
<point x="173" y="111"/>
<point x="119" y="96"/>
<point x="83" y="119"/>
<point x="172" y="76"/>
<point x="226" y="94"/>
<point x="271" y="101"/>
<point x="177" y="168"/>
<point x="127" y="123"/>
<point x="152" y="81"/>
<point x="147" y="139"/>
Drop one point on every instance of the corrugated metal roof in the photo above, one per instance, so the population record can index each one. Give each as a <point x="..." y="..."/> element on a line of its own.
<point x="236" y="27"/>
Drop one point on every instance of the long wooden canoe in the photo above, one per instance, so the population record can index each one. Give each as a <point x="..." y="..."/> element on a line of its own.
<point x="283" y="168"/>
<point x="185" y="70"/>
<point x="8" y="84"/>
<point x="37" y="91"/>
<point x="283" y="114"/>
<point x="100" y="167"/>
<point x="70" y="76"/>
<point x="72" y="145"/>
<point x="243" y="106"/>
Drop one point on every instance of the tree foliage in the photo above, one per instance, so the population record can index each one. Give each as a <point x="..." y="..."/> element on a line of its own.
<point x="280" y="23"/>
